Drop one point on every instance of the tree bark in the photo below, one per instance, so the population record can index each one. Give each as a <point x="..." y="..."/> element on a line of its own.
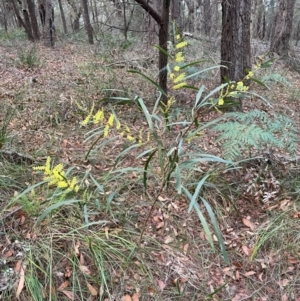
<point x="207" y="17"/>
<point x="23" y="23"/>
<point x="49" y="24"/>
<point x="63" y="18"/>
<point x="87" y="22"/>
<point x="163" y="22"/>
<point x="235" y="41"/>
<point x="281" y="32"/>
<point x="75" y="19"/>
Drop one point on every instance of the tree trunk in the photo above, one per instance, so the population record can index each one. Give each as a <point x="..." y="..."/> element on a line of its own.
<point x="87" y="22"/>
<point x="49" y="24"/>
<point x="33" y="19"/>
<point x="163" y="23"/>
<point x="75" y="17"/>
<point x="176" y="14"/>
<point x="235" y="41"/>
<point x="207" y="17"/>
<point x="282" y="28"/>
<point x="63" y="18"/>
<point x="23" y="23"/>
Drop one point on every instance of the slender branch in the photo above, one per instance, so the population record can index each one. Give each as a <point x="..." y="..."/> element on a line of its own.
<point x="151" y="11"/>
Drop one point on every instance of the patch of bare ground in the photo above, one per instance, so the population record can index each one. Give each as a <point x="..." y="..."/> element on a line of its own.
<point x="94" y="250"/>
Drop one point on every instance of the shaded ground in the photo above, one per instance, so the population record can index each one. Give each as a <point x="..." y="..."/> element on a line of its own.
<point x="63" y="260"/>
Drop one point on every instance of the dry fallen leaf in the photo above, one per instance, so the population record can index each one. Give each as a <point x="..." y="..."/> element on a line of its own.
<point x="247" y="223"/>
<point x="21" y="283"/>
<point x="169" y="239"/>
<point x="63" y="286"/>
<point x="135" y="297"/>
<point x="92" y="290"/>
<point x="245" y="249"/>
<point x="68" y="294"/>
<point x="85" y="269"/>
<point x="126" y="298"/>
<point x="284" y="298"/>
<point x="106" y="232"/>
<point x="185" y="249"/>
<point x="76" y="247"/>
<point x="18" y="266"/>
<point x="161" y="285"/>
<point x="250" y="273"/>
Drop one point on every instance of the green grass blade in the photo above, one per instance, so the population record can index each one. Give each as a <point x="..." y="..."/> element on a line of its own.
<point x="202" y="219"/>
<point x="146" y="167"/>
<point x="217" y="230"/>
<point x="146" y="113"/>
<point x="196" y="193"/>
<point x="48" y="210"/>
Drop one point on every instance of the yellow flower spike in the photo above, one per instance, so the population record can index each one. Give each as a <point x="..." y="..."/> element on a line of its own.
<point x="179" y="78"/>
<point x="47" y="166"/>
<point x="130" y="138"/>
<point x="62" y="184"/>
<point x="178" y="57"/>
<point x="111" y="119"/>
<point x="73" y="184"/>
<point x="177" y="37"/>
<point x="106" y="130"/>
<point x="118" y="126"/>
<point x="88" y="117"/>
<point x="181" y="45"/>
<point x="180" y="85"/>
<point x="240" y="86"/>
<point x="172" y="75"/>
<point x="127" y="129"/>
<point x="221" y="102"/>
<point x="176" y="68"/>
<point x="98" y="117"/>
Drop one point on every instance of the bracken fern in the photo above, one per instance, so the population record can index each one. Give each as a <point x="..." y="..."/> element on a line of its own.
<point x="256" y="130"/>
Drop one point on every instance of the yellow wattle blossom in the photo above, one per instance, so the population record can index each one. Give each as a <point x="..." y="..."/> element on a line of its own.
<point x="177" y="37"/>
<point x="88" y="117"/>
<point x="178" y="86"/>
<point x="57" y="176"/>
<point x="179" y="57"/>
<point x="99" y="116"/>
<point x="172" y="75"/>
<point x="106" y="130"/>
<point x="179" y="78"/>
<point x="241" y="87"/>
<point x="118" y="126"/>
<point x="221" y="102"/>
<point x="130" y="138"/>
<point x="249" y="75"/>
<point x="181" y="45"/>
<point x="176" y="68"/>
<point x="111" y="119"/>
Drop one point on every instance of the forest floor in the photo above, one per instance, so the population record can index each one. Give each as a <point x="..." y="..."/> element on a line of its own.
<point x="101" y="243"/>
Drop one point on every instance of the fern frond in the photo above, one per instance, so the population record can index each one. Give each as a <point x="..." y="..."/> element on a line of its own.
<point x="256" y="130"/>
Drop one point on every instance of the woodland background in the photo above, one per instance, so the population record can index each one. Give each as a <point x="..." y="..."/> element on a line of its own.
<point x="116" y="186"/>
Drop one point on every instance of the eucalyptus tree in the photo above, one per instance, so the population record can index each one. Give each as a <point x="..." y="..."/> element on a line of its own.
<point x="282" y="28"/>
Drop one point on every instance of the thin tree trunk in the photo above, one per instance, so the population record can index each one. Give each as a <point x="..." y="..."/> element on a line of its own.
<point x="49" y="24"/>
<point x="63" y="18"/>
<point x="163" y="23"/>
<point x="87" y="22"/>
<point x="22" y="22"/>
